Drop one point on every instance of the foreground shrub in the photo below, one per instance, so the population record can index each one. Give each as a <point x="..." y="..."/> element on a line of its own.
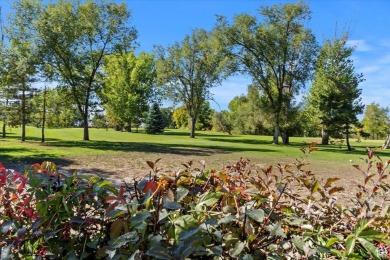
<point x="239" y="212"/>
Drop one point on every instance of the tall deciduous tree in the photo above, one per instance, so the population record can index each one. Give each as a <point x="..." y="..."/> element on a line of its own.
<point x="376" y="121"/>
<point x="335" y="89"/>
<point x="75" y="36"/>
<point x="189" y="69"/>
<point x="23" y="55"/>
<point x="277" y="51"/>
<point x="129" y="85"/>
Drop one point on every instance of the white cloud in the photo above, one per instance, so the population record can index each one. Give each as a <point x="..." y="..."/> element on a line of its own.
<point x="360" y="45"/>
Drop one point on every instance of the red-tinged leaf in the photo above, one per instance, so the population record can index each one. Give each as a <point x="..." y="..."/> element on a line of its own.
<point x="21" y="187"/>
<point x="375" y="189"/>
<point x="111" y="207"/>
<point x="359" y="195"/>
<point x="116" y="228"/>
<point x="369" y="177"/>
<point x="150" y="185"/>
<point x="110" y="198"/>
<point x="29" y="212"/>
<point x="151" y="164"/>
<point x="312" y="144"/>
<point x="335" y="189"/>
<point x="157" y="161"/>
<point x="26" y="201"/>
<point x="3" y="178"/>
<point x="185" y="165"/>
<point x="37" y="166"/>
<point x="370" y="153"/>
<point x="14" y="197"/>
<point x="329" y="182"/>
<point x="121" y="191"/>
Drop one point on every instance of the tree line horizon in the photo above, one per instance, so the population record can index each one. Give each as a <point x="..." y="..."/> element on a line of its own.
<point x="88" y="49"/>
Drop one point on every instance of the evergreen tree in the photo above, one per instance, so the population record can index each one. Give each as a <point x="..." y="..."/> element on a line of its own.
<point x="155" y="121"/>
<point x="335" y="89"/>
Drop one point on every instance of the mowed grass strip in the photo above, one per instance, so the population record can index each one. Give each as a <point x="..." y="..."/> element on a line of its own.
<point x="124" y="154"/>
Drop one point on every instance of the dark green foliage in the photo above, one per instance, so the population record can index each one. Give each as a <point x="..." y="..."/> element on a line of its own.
<point x="277" y="51"/>
<point x="335" y="92"/>
<point x="168" y="117"/>
<point x="155" y="122"/>
<point x="239" y="212"/>
<point x="222" y="123"/>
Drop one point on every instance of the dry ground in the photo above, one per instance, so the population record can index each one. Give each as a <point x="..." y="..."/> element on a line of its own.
<point x="132" y="166"/>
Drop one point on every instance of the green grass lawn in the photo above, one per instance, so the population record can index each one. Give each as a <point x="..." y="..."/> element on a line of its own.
<point x="113" y="152"/>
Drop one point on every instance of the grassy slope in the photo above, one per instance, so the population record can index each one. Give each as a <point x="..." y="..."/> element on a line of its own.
<point x="65" y="143"/>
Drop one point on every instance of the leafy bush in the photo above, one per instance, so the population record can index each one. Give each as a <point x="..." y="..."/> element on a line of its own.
<point x="238" y="212"/>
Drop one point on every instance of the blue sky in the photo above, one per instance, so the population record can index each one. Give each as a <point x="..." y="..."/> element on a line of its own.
<point x="165" y="21"/>
<point x="162" y="22"/>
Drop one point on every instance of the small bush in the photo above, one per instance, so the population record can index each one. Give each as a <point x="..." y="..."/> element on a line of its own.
<point x="281" y="212"/>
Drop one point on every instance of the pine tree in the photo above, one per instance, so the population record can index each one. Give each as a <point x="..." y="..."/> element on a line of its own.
<point x="155" y="121"/>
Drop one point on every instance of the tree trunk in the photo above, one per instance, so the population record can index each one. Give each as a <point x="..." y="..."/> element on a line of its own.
<point x="4" y="129"/>
<point x="347" y="138"/>
<point x="325" y="137"/>
<point x="387" y="142"/>
<point x="193" y="122"/>
<point x="285" y="137"/>
<point x="44" y="115"/>
<point x="276" y="135"/>
<point x="23" y="138"/>
<point x="86" y="129"/>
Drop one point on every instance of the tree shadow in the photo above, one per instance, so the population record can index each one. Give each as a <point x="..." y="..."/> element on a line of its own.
<point x="20" y="163"/>
<point x="146" y="147"/>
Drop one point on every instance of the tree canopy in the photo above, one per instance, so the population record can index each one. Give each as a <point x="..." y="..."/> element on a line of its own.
<point x="189" y="69"/>
<point x="335" y="91"/>
<point x="276" y="50"/>
<point x="75" y="37"/>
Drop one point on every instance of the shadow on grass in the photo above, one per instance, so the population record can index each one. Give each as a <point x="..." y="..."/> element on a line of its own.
<point x="145" y="147"/>
<point x="19" y="163"/>
<point x="357" y="150"/>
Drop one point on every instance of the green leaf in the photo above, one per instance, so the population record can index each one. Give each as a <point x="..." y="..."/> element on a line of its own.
<point x="7" y="226"/>
<point x="276" y="230"/>
<point x="180" y="193"/>
<point x="208" y="199"/>
<point x="189" y="233"/>
<point x="173" y="205"/>
<point x="350" y="244"/>
<point x="226" y="219"/>
<point x="255" y="214"/>
<point x="159" y="252"/>
<point x="124" y="239"/>
<point x="6" y="252"/>
<point x="315" y="186"/>
<point x="371" y="248"/>
<point x="331" y="241"/>
<point x="298" y="242"/>
<point x="372" y="234"/>
<point x="247" y="257"/>
<point x="140" y="217"/>
<point x="237" y="249"/>
<point x="186" y="221"/>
